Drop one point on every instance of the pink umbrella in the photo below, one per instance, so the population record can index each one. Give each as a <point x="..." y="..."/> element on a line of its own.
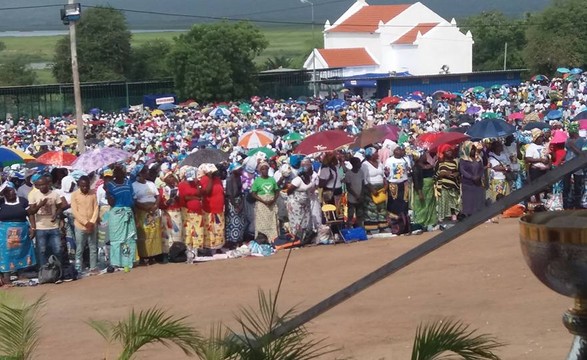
<point x="583" y="124"/>
<point x="516" y="116"/>
<point x="559" y="137"/>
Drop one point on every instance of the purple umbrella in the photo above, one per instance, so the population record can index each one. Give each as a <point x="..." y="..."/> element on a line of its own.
<point x="473" y="110"/>
<point x="98" y="158"/>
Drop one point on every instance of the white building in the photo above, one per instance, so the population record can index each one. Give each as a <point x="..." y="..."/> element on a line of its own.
<point x="393" y="38"/>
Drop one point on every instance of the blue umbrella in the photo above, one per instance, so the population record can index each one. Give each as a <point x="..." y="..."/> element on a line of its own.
<point x="95" y="111"/>
<point x="335" y="104"/>
<point x="201" y="143"/>
<point x="581" y="116"/>
<point x="554" y="114"/>
<point x="563" y="70"/>
<point x="490" y="128"/>
<point x="220" y="112"/>
<point x="166" y="107"/>
<point x="576" y="71"/>
<point x="414" y="97"/>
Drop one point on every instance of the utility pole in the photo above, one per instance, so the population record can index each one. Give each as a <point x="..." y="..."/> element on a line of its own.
<point x="81" y="140"/>
<point x="505" y="56"/>
<point x="313" y="49"/>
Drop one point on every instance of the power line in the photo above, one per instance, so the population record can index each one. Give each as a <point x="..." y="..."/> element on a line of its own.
<point x="31" y="7"/>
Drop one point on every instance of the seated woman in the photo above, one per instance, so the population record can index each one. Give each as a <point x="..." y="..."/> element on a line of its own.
<point x="16" y="246"/>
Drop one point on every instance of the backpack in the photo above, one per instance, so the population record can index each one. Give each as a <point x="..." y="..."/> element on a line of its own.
<point x="178" y="252"/>
<point x="50" y="272"/>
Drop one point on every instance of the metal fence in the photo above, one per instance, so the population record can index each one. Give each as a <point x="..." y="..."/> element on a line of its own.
<point x="54" y="100"/>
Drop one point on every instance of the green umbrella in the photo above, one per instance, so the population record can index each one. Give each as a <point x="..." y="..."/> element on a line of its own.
<point x="293" y="136"/>
<point x="245" y="108"/>
<point x="490" y="115"/>
<point x="495" y="87"/>
<point x="121" y="124"/>
<point x="264" y="150"/>
<point x="478" y="89"/>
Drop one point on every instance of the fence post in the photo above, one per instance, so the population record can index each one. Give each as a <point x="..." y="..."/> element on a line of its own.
<point x="127" y="95"/>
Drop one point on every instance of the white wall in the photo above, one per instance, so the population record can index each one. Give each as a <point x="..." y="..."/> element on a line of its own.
<point x="444" y="46"/>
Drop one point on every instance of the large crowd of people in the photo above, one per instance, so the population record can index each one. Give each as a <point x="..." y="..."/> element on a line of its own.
<point x="158" y="205"/>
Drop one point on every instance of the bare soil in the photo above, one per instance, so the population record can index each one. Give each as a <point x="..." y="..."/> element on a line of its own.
<point x="480" y="278"/>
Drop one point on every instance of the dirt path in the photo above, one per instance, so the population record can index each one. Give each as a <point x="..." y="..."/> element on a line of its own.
<point x="480" y="278"/>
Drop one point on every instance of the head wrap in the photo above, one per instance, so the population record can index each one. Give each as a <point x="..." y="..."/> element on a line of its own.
<point x="536" y="133"/>
<point x="442" y="149"/>
<point x="36" y="177"/>
<point x="261" y="164"/>
<point x="370" y="151"/>
<point x="6" y="185"/>
<point x="108" y="173"/>
<point x="465" y="153"/>
<point x="573" y="128"/>
<point x="137" y="169"/>
<point x="234" y="166"/>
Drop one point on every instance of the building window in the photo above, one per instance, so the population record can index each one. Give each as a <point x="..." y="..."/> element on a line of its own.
<point x="425" y="81"/>
<point x="464" y="79"/>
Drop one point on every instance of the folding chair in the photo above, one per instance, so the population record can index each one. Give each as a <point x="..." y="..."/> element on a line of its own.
<point x="330" y="219"/>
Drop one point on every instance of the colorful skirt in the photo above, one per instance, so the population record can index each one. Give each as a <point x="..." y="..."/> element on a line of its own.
<point x="266" y="218"/>
<point x="449" y="203"/>
<point x="149" y="242"/>
<point x="103" y="237"/>
<point x="16" y="248"/>
<point x="498" y="187"/>
<point x="374" y="215"/>
<point x="172" y="228"/>
<point x="193" y="225"/>
<point x="123" y="237"/>
<point x="235" y="220"/>
<point x="214" y="230"/>
<point x="299" y="208"/>
<point x="425" y="211"/>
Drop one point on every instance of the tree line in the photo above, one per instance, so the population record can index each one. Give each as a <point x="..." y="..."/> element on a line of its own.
<point x="215" y="61"/>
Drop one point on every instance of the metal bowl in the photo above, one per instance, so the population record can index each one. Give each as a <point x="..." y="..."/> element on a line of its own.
<point x="556" y="255"/>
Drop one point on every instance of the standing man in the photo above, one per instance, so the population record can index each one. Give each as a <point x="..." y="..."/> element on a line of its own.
<point x="84" y="205"/>
<point x="45" y="206"/>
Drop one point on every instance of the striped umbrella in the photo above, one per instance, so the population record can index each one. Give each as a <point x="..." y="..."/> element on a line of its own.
<point x="255" y="138"/>
<point x="9" y="156"/>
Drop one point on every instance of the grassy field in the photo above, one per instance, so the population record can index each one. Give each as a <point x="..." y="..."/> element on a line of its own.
<point x="291" y="42"/>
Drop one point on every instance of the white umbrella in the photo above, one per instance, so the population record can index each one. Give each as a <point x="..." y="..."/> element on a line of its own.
<point x="406" y="105"/>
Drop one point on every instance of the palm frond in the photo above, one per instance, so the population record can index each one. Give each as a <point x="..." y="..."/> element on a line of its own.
<point x="19" y="328"/>
<point x="216" y="346"/>
<point x="149" y="327"/>
<point x="446" y="338"/>
<point x="252" y="342"/>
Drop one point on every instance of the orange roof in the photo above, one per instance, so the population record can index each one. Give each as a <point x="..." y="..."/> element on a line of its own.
<point x="410" y="36"/>
<point x="347" y="57"/>
<point x="368" y="17"/>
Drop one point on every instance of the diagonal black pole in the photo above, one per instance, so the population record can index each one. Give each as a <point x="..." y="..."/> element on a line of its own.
<point x="430" y="245"/>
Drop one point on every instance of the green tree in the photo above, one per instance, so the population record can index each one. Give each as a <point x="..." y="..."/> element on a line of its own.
<point x="491" y="31"/>
<point x="103" y="47"/>
<point x="277" y="62"/>
<point x="557" y="37"/>
<point x="215" y="61"/>
<point x="16" y="71"/>
<point x="149" y="61"/>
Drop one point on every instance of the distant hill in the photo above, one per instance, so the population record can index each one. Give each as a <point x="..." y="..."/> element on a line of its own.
<point x="268" y="10"/>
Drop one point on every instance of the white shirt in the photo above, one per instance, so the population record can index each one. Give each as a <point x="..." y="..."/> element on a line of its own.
<point x="398" y="170"/>
<point x="535" y="151"/>
<point x="373" y="175"/>
<point x="497" y="160"/>
<point x="145" y="193"/>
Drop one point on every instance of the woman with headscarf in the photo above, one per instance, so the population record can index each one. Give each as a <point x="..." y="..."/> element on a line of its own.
<point x="171" y="211"/>
<point x="423" y="201"/>
<point x="235" y="205"/>
<point x="122" y="230"/>
<point x="447" y="184"/>
<point x="147" y="215"/>
<point x="499" y="168"/>
<point x="265" y="192"/>
<point x="299" y="204"/>
<point x="472" y="171"/>
<point x="212" y="206"/>
<point x="374" y="192"/>
<point x="537" y="159"/>
<point x="190" y="199"/>
<point x="16" y="245"/>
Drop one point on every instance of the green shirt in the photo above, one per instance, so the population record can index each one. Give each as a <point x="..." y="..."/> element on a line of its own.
<point x="264" y="186"/>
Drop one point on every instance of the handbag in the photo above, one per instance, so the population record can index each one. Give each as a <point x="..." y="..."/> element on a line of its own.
<point x="379" y="197"/>
<point x="509" y="175"/>
<point x="50" y="272"/>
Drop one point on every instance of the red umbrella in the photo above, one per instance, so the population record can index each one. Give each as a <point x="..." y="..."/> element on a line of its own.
<point x="324" y="141"/>
<point x="376" y="135"/>
<point x="432" y="141"/>
<point x="389" y="100"/>
<point x="57" y="158"/>
<point x="97" y="122"/>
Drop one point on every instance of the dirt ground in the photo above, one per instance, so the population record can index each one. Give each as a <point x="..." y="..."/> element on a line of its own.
<point x="480" y="278"/>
